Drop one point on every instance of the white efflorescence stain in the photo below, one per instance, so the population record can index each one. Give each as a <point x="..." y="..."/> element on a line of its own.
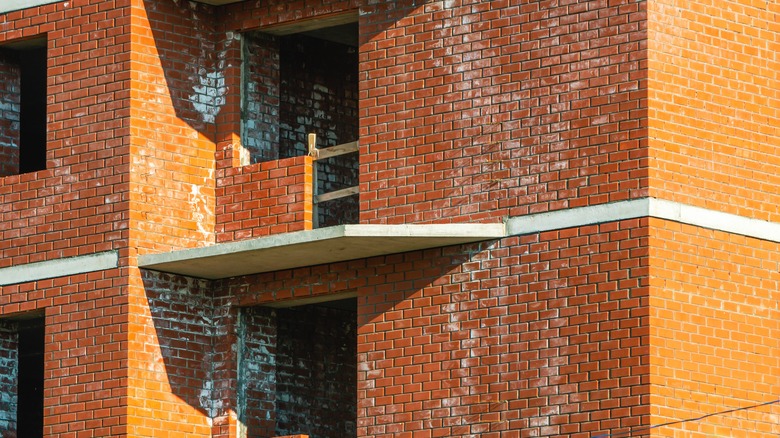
<point x="209" y="96"/>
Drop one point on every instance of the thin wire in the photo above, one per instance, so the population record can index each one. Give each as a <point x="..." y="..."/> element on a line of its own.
<point x="645" y="429"/>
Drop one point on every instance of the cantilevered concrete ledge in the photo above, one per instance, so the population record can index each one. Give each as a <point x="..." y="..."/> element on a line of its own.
<point x="308" y="248"/>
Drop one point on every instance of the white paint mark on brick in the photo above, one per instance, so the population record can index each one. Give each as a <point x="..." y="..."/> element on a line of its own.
<point x="451" y="327"/>
<point x="201" y="211"/>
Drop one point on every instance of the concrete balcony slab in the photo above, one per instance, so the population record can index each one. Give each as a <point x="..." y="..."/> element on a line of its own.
<point x="314" y="247"/>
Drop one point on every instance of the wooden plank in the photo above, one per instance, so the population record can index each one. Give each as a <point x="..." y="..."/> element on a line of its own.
<point x="335" y="151"/>
<point x="315" y="181"/>
<point x="343" y="193"/>
<point x="313" y="151"/>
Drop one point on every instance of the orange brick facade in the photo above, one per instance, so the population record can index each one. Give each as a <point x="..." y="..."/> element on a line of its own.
<point x="177" y="126"/>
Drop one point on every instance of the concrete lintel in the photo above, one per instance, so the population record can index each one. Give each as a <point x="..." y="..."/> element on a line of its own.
<point x="314" y="247"/>
<point x="59" y="268"/>
<point x="715" y="220"/>
<point x="645" y="207"/>
<point x="15" y="5"/>
<point x="577" y="217"/>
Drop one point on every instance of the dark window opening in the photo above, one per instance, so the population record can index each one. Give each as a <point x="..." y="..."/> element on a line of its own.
<point x="30" y="413"/>
<point x="298" y="370"/>
<point x="23" y="73"/>
<point x="32" y="135"/>
<point x="22" y="375"/>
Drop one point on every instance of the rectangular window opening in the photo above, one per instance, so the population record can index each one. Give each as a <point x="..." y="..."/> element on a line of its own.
<point x="298" y="370"/>
<point x="22" y="376"/>
<point x="23" y="73"/>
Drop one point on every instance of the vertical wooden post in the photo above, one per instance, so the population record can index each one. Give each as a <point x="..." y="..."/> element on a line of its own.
<point x="315" y="183"/>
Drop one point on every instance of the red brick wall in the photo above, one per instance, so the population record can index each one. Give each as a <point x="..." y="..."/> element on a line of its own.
<point x="85" y="350"/>
<point x="172" y="366"/>
<point x="543" y="333"/>
<point x="714" y="105"/>
<point x="474" y="110"/>
<point x="178" y="93"/>
<point x="78" y="205"/>
<point x="715" y="332"/>
<point x="266" y="198"/>
<point x="481" y="127"/>
<point x="183" y="343"/>
<point x="469" y="111"/>
<point x="546" y="333"/>
<point x="9" y="113"/>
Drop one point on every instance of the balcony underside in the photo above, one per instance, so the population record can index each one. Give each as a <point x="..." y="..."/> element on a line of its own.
<point x="309" y="248"/>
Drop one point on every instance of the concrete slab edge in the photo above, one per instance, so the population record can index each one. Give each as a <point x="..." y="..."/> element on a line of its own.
<point x="645" y="207"/>
<point x="15" y="5"/>
<point x="426" y="230"/>
<point x="59" y="268"/>
<point x="286" y="239"/>
<point x="486" y="231"/>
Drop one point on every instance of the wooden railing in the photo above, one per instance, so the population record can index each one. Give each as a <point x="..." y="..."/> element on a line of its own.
<point x="322" y="154"/>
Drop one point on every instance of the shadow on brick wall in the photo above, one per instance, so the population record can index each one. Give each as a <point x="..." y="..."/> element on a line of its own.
<point x="178" y="339"/>
<point x="193" y="333"/>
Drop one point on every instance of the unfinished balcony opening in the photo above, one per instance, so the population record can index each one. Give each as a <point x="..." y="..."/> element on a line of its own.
<point x="300" y="80"/>
<point x="23" y="107"/>
<point x="21" y="376"/>
<point x="298" y="370"/>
